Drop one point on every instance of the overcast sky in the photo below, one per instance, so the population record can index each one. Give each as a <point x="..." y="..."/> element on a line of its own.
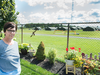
<point x="57" y="11"/>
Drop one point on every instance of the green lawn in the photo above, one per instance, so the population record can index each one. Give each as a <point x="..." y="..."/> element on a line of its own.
<point x="31" y="69"/>
<point x="60" y="43"/>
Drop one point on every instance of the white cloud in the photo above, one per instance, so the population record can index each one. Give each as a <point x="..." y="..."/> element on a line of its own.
<point x="61" y="4"/>
<point x="15" y="6"/>
<point x="86" y="16"/>
<point x="48" y="7"/>
<point x="36" y="2"/>
<point x="21" y="18"/>
<point x="60" y="11"/>
<point x="50" y="18"/>
<point x="68" y="1"/>
<point x="96" y="10"/>
<point x="92" y="0"/>
<point x="64" y="14"/>
<point x="58" y="17"/>
<point x="93" y="18"/>
<point x="83" y="2"/>
<point x="76" y="13"/>
<point x="36" y="15"/>
<point x="80" y="2"/>
<point x="22" y="0"/>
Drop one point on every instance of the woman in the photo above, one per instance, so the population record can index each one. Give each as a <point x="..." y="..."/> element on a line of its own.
<point x="9" y="53"/>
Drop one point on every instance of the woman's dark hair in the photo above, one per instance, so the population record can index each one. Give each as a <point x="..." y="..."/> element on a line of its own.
<point x="9" y="25"/>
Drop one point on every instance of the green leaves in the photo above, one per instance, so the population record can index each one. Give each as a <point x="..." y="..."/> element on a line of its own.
<point x="24" y="46"/>
<point x="52" y="55"/>
<point x="7" y="12"/>
<point x="40" y="54"/>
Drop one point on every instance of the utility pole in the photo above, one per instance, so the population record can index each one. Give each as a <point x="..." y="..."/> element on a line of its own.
<point x="72" y="10"/>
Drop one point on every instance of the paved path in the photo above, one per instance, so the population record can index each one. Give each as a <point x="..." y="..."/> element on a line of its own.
<point x="70" y="36"/>
<point x="65" y="36"/>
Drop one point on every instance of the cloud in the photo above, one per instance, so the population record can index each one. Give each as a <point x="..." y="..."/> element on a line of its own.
<point x="62" y="4"/>
<point x="80" y="2"/>
<point x="80" y="15"/>
<point x="50" y="4"/>
<point x="60" y="11"/>
<point x="86" y="16"/>
<point x="95" y="14"/>
<point x="36" y="2"/>
<point x="41" y="18"/>
<point x="21" y="18"/>
<point x="91" y="16"/>
<point x="50" y="18"/>
<point x="95" y="2"/>
<point x="48" y="7"/>
<point x="15" y="6"/>
<point x="83" y="2"/>
<point x="60" y="16"/>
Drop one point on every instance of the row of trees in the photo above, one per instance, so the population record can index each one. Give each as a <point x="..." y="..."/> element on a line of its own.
<point x="42" y="25"/>
<point x="7" y="12"/>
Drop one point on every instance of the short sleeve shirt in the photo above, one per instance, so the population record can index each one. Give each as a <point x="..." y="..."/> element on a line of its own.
<point x="9" y="56"/>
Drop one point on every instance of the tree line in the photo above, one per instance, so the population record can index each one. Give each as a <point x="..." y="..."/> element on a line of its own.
<point x="42" y="25"/>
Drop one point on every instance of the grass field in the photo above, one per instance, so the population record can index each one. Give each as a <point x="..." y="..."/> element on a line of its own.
<point x="60" y="43"/>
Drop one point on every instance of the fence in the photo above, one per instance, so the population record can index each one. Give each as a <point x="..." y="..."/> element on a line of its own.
<point x="84" y="35"/>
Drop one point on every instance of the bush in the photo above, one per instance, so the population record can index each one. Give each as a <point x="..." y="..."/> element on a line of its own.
<point x="0" y="38"/>
<point x="40" y="54"/>
<point x="0" y="34"/>
<point x="52" y="55"/>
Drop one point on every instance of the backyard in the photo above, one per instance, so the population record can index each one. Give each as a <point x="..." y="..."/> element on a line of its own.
<point x="55" y="37"/>
<point x="87" y="41"/>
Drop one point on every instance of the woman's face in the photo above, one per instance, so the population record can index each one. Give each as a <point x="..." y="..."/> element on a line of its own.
<point x="10" y="33"/>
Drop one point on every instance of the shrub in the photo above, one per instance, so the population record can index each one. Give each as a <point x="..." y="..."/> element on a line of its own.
<point x="52" y="55"/>
<point x="40" y="54"/>
<point x="0" y="38"/>
<point x="0" y="34"/>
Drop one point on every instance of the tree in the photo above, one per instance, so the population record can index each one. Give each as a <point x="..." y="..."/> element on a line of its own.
<point x="40" y="54"/>
<point x="7" y="12"/>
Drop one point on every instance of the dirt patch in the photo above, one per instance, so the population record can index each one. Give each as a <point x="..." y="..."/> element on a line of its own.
<point x="57" y="67"/>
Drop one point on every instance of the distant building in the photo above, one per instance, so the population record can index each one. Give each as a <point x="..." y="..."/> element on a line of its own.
<point x="63" y="28"/>
<point x="37" y="28"/>
<point x="79" y="28"/>
<point x="73" y="28"/>
<point x="89" y="29"/>
<point x="50" y="28"/>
